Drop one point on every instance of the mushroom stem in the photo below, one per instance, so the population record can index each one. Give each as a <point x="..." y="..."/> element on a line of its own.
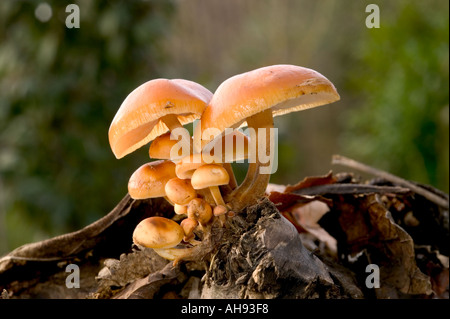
<point x="175" y="254"/>
<point x="172" y="122"/>
<point x="251" y="172"/>
<point x="215" y="192"/>
<point x="221" y="212"/>
<point x="254" y="185"/>
<point x="206" y="195"/>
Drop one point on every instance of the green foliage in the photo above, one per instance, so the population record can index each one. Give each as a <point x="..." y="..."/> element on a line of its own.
<point x="403" y="78"/>
<point x="60" y="89"/>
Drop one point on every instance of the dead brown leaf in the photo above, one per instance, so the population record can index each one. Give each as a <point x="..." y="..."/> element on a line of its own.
<point x="312" y="181"/>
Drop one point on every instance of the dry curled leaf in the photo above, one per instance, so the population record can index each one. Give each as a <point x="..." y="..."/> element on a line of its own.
<point x="312" y="181"/>
<point x="365" y="226"/>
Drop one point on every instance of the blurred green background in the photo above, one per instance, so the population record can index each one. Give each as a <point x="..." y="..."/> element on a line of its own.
<point x="60" y="89"/>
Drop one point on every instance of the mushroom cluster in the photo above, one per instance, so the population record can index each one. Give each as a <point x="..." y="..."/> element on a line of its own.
<point x="194" y="174"/>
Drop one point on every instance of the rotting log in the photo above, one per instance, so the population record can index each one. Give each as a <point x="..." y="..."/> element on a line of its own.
<point x="258" y="254"/>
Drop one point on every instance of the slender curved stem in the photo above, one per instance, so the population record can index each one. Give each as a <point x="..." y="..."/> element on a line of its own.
<point x="254" y="185"/>
<point x="206" y="195"/>
<point x="215" y="192"/>
<point x="171" y="121"/>
<point x="251" y="171"/>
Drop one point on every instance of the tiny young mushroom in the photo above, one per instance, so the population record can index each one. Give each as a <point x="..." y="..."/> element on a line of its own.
<point x="211" y="176"/>
<point x="152" y="109"/>
<point x="200" y="210"/>
<point x="188" y="225"/>
<point x="162" y="235"/>
<point x="149" y="180"/>
<point x="254" y="98"/>
<point x="220" y="212"/>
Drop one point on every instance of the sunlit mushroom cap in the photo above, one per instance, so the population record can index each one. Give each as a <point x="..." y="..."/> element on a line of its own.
<point x="180" y="191"/>
<point x="282" y="88"/>
<point x="137" y="121"/>
<point x="158" y="232"/>
<point x="209" y="175"/>
<point x="149" y="180"/>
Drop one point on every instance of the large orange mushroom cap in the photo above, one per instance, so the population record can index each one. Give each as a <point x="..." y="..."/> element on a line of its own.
<point x="138" y="120"/>
<point x="282" y="88"/>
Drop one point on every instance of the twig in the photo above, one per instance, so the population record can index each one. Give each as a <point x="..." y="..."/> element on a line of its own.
<point x="341" y="160"/>
<point x="343" y="189"/>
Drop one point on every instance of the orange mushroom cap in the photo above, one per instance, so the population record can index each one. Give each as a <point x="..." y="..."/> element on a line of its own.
<point x="187" y="165"/>
<point x="282" y="88"/>
<point x="158" y="232"/>
<point x="138" y="120"/>
<point x="180" y="191"/>
<point x="209" y="175"/>
<point x="149" y="180"/>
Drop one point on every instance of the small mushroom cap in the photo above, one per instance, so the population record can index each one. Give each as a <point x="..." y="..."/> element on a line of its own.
<point x="162" y="145"/>
<point x="209" y="175"/>
<point x="219" y="210"/>
<point x="188" y="225"/>
<point x="200" y="210"/>
<point x="149" y="180"/>
<point x="158" y="232"/>
<point x="138" y="120"/>
<point x="187" y="165"/>
<point x="180" y="191"/>
<point x="282" y="88"/>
